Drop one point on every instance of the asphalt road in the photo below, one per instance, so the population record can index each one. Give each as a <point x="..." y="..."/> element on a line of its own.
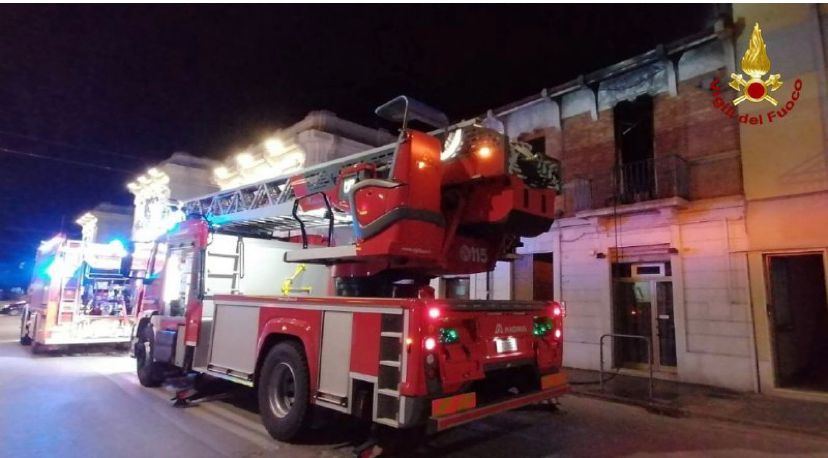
<point x="91" y="405"/>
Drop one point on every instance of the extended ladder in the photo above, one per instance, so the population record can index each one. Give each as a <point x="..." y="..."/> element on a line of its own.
<point x="262" y="208"/>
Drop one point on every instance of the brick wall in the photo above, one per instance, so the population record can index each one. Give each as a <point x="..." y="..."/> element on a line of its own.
<point x="691" y="127"/>
<point x="687" y="125"/>
<point x="589" y="152"/>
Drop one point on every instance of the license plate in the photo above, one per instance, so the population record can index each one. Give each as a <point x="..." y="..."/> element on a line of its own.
<point x="506" y="345"/>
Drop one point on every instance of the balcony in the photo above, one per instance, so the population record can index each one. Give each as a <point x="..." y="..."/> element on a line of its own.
<point x="636" y="186"/>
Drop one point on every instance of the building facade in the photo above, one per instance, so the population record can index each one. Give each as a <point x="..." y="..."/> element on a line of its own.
<point x="319" y="137"/>
<point x="105" y="223"/>
<point x="159" y="191"/>
<point x="785" y="168"/>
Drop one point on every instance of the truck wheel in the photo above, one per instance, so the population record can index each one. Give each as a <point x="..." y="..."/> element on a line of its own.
<point x="284" y="391"/>
<point x="25" y="338"/>
<point x="150" y="373"/>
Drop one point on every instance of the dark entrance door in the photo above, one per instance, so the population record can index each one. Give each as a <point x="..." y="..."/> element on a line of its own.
<point x="645" y="308"/>
<point x="798" y="312"/>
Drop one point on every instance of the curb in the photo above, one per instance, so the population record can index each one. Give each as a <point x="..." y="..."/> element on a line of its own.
<point x="671" y="410"/>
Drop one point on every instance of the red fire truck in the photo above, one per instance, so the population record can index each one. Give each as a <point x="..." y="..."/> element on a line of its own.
<point x="314" y="288"/>
<point x="78" y="295"/>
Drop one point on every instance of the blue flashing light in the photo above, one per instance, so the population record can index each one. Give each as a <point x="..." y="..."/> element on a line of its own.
<point x="118" y="247"/>
<point x="44" y="271"/>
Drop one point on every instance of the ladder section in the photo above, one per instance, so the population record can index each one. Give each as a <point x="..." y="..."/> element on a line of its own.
<point x="264" y="207"/>
<point x="390" y="367"/>
<point x="225" y="268"/>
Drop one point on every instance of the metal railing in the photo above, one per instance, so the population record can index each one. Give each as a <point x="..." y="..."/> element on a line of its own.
<point x="654" y="178"/>
<point x="626" y="336"/>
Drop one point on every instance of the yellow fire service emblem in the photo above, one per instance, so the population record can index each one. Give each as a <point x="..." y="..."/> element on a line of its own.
<point x="756" y="64"/>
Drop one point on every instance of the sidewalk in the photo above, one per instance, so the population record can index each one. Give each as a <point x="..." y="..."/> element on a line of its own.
<point x="684" y="399"/>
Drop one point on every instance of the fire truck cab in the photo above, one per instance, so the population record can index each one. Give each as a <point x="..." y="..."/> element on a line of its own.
<point x="314" y="290"/>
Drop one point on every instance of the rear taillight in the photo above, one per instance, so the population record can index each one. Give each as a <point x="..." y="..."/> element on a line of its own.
<point x="430" y="343"/>
<point x="449" y="336"/>
<point x="558" y="334"/>
<point x="434" y="313"/>
<point x="556" y="311"/>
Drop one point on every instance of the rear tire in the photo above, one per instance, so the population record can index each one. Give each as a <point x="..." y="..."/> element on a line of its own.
<point x="150" y="373"/>
<point x="25" y="335"/>
<point x="284" y="392"/>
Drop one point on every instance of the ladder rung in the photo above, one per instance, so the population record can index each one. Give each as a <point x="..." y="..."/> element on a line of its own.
<point x="387" y="421"/>
<point x="389" y="392"/>
<point x="391" y="334"/>
<point x="233" y="275"/>
<point x="390" y="363"/>
<point x="223" y="255"/>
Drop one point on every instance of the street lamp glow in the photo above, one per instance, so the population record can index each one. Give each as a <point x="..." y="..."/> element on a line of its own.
<point x="143" y="180"/>
<point x="274" y="146"/>
<point x="245" y="159"/>
<point x="153" y="172"/>
<point x="221" y="172"/>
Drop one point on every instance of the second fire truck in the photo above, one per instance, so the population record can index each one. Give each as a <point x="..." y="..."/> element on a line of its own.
<point x="314" y="289"/>
<point x="78" y="295"/>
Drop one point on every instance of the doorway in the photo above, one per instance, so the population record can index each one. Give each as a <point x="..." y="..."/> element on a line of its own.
<point x="798" y="313"/>
<point x="532" y="277"/>
<point x="635" y="166"/>
<point x="643" y="306"/>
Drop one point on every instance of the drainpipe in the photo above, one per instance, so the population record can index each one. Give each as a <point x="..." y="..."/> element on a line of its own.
<point x="753" y="351"/>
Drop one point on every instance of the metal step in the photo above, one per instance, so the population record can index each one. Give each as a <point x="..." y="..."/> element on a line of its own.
<point x="223" y="255"/>
<point x="390" y="363"/>
<point x="232" y="275"/>
<point x="388" y="408"/>
<point x="391" y="334"/>
<point x="388" y="392"/>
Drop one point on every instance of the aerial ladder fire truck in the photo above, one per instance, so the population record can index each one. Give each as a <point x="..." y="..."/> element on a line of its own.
<point x="313" y="288"/>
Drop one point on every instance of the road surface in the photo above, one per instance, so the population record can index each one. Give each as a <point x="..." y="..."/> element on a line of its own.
<point x="91" y="405"/>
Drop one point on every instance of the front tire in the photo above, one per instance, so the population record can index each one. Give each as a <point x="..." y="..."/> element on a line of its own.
<point x="284" y="391"/>
<point x="150" y="373"/>
<point x="25" y="337"/>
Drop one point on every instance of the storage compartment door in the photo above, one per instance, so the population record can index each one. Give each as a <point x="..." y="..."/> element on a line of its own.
<point x="235" y="329"/>
<point x="336" y="353"/>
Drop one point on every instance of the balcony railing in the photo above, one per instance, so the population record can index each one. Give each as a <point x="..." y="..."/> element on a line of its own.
<point x="657" y="178"/>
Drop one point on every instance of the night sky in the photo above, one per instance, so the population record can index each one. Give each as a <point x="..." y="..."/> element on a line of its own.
<point x="105" y="91"/>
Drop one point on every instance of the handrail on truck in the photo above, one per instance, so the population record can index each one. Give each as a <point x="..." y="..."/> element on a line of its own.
<point x="625" y="336"/>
